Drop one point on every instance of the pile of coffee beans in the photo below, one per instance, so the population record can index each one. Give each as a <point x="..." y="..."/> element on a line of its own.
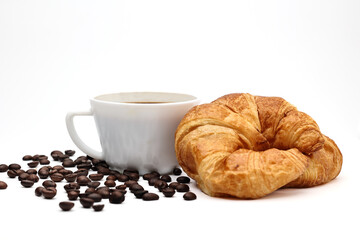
<point x="83" y="179"/>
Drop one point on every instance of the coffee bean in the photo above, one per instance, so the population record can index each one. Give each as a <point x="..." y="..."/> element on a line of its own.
<point x="83" y="180"/>
<point x="133" y="176"/>
<point x="90" y="190"/>
<point x="95" y="196"/>
<point x="96" y="176"/>
<point x="86" y="165"/>
<point x="86" y="202"/>
<point x="122" y="178"/>
<point x="14" y="166"/>
<point x="93" y="184"/>
<point x="38" y="191"/>
<point x="168" y="192"/>
<point x="110" y="183"/>
<point x="116" y="197"/>
<point x="130" y="170"/>
<point x="66" y="206"/>
<point x="166" y="178"/>
<point x="71" y="186"/>
<point x="156" y="174"/>
<point x="182" y="188"/>
<point x="148" y="176"/>
<point x="3" y="185"/>
<point x="103" y="170"/>
<point x="27" y="158"/>
<point x="11" y="173"/>
<point x="23" y="176"/>
<point x="136" y="187"/>
<point x="152" y="181"/>
<point x="71" y="177"/>
<point x="189" y="196"/>
<point x="150" y="197"/>
<point x="44" y="161"/>
<point x="57" y="168"/>
<point x="68" y="163"/>
<point x="33" y="177"/>
<point x="49" y="183"/>
<point x="73" y="195"/>
<point x="66" y="172"/>
<point x="183" y="179"/>
<point x="57" y="177"/>
<point x="121" y="187"/>
<point x="33" y="164"/>
<point x="139" y="193"/>
<point x="98" y="207"/>
<point x="3" y="167"/>
<point x="104" y="192"/>
<point x="111" y="177"/>
<point x="49" y="193"/>
<point x="177" y="171"/>
<point x="43" y="173"/>
<point x="160" y="184"/>
<point x="31" y="171"/>
<point x="27" y="183"/>
<point x="130" y="182"/>
<point x="55" y="154"/>
<point x="70" y="152"/>
<point x="82" y="172"/>
<point x="174" y="185"/>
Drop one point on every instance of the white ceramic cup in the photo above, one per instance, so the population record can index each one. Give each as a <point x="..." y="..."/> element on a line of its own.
<point x="136" y="129"/>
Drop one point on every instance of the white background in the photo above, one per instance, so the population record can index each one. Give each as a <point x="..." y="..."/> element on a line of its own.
<point x="55" y="55"/>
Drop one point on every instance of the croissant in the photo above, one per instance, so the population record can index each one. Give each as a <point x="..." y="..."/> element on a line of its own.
<point x="248" y="146"/>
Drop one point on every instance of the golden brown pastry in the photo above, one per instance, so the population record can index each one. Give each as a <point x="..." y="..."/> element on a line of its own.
<point x="248" y="146"/>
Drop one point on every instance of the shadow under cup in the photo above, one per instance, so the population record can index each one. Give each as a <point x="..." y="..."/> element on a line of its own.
<point x="136" y="129"/>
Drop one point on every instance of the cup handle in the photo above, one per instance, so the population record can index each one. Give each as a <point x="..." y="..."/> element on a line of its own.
<point x="75" y="137"/>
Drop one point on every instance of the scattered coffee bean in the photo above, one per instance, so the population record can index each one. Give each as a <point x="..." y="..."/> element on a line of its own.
<point x="33" y="177"/>
<point x="70" y="153"/>
<point x="182" y="188"/>
<point x="90" y="190"/>
<point x="139" y="193"/>
<point x="57" y="177"/>
<point x="27" y="183"/>
<point x="168" y="192"/>
<point x="82" y="172"/>
<point x="43" y="173"/>
<point x="31" y="171"/>
<point x="96" y="176"/>
<point x="49" y="183"/>
<point x="38" y="191"/>
<point x="150" y="197"/>
<point x="44" y="161"/>
<point x="166" y="178"/>
<point x="71" y="177"/>
<point x="3" y="167"/>
<point x="189" y="196"/>
<point x="110" y="183"/>
<point x="11" y="173"/>
<point x="33" y="164"/>
<point x="86" y="202"/>
<point x="23" y="176"/>
<point x="103" y="170"/>
<point x="174" y="185"/>
<point x="122" y="178"/>
<point x="3" y="185"/>
<point x="136" y="187"/>
<point x="49" y="193"/>
<point x="83" y="180"/>
<point x="148" y="176"/>
<point x="121" y="187"/>
<point x="104" y="192"/>
<point x="160" y="185"/>
<point x="14" y="166"/>
<point x="111" y="177"/>
<point x="116" y="197"/>
<point x="177" y="171"/>
<point x="68" y="163"/>
<point x="72" y="195"/>
<point x="152" y="181"/>
<point x="183" y="179"/>
<point x="98" y="207"/>
<point x="130" y="182"/>
<point x="93" y="184"/>
<point x="95" y="196"/>
<point x="71" y="186"/>
<point x="66" y="206"/>
<point x="27" y="158"/>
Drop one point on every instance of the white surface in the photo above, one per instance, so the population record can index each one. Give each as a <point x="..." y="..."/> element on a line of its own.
<point x="55" y="55"/>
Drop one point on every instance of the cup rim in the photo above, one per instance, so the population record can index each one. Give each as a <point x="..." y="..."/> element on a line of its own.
<point x="191" y="98"/>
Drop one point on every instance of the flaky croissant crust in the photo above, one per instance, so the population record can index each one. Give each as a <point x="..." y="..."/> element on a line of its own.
<point x="249" y="146"/>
